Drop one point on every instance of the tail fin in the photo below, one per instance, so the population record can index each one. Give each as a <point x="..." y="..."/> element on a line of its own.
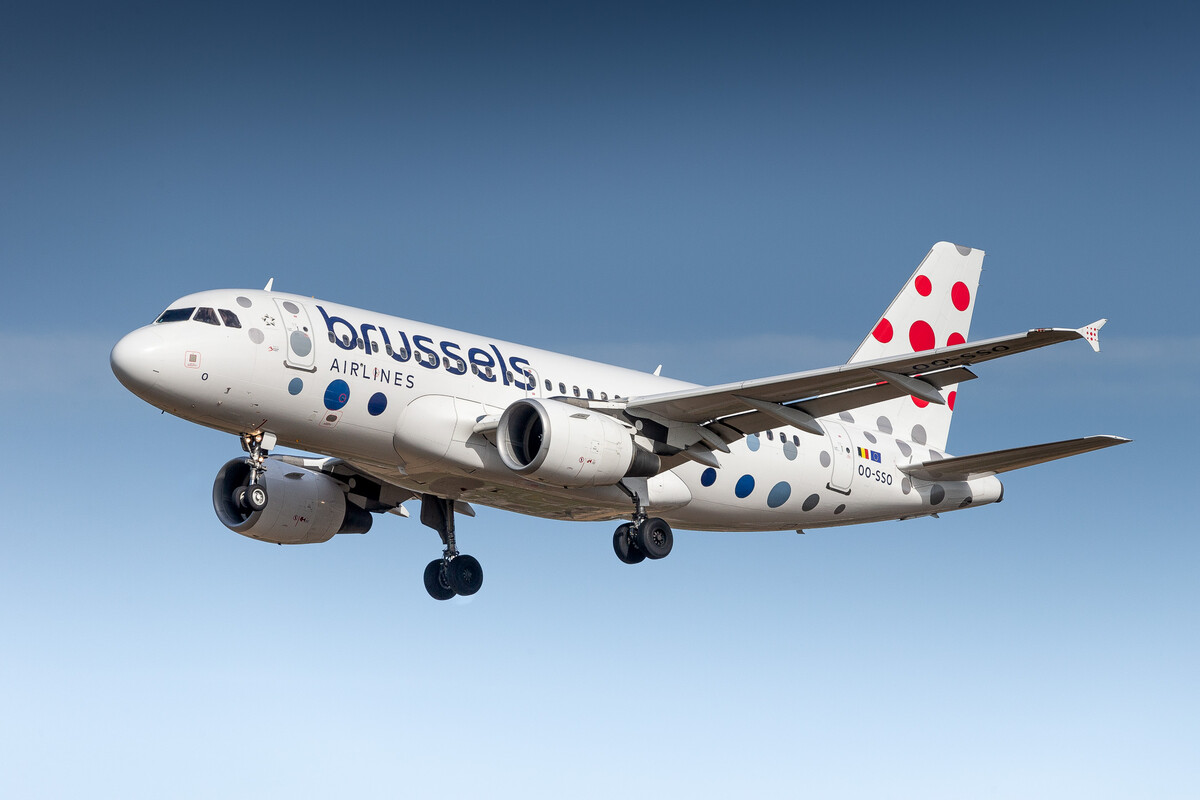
<point x="933" y="309"/>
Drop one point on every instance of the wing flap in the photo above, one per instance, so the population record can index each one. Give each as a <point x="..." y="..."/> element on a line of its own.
<point x="981" y="465"/>
<point x="704" y="404"/>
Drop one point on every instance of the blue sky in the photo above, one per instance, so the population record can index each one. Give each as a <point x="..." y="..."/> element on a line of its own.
<point x="730" y="190"/>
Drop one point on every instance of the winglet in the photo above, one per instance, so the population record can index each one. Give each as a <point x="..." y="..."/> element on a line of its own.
<point x="270" y="283"/>
<point x="1091" y="333"/>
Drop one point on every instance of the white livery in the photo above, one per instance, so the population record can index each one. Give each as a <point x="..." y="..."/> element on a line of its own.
<point x="401" y="410"/>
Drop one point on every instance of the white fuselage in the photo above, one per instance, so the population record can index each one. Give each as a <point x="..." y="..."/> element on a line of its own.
<point x="401" y="400"/>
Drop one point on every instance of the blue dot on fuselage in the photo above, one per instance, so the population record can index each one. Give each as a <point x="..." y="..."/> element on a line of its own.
<point x="779" y="495"/>
<point x="337" y="394"/>
<point x="295" y="386"/>
<point x="752" y="441"/>
<point x="745" y="486"/>
<point x="708" y="477"/>
<point x="377" y="404"/>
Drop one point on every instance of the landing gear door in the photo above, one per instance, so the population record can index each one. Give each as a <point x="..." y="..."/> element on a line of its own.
<point x="300" y="351"/>
<point x="841" y="473"/>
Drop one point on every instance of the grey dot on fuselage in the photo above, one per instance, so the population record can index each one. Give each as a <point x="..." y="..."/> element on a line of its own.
<point x="884" y="425"/>
<point x="936" y="495"/>
<point x="918" y="434"/>
<point x="256" y="335"/>
<point x="825" y="459"/>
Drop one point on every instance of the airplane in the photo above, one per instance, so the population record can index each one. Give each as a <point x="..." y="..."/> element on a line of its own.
<point x="398" y="410"/>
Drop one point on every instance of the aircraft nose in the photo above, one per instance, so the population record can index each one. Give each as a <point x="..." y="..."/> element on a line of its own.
<point x="137" y="360"/>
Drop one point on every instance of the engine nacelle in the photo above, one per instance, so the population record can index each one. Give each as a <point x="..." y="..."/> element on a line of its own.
<point x="565" y="445"/>
<point x="303" y="507"/>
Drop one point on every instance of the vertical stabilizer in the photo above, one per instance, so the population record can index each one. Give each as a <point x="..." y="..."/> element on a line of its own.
<point x="933" y="309"/>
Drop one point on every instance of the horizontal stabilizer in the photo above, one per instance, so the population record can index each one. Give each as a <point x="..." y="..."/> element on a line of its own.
<point x="981" y="465"/>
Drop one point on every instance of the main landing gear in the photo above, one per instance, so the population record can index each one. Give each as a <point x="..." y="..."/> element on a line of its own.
<point x="453" y="573"/>
<point x="253" y="496"/>
<point x="644" y="537"/>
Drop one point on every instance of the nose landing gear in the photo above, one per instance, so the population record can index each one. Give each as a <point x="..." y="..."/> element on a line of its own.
<point x="253" y="496"/>
<point x="453" y="573"/>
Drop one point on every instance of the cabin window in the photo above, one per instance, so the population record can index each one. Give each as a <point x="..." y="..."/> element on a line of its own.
<point x="604" y="395"/>
<point x="562" y="388"/>
<point x="591" y="395"/>
<point x="175" y="315"/>
<point x="795" y="440"/>
<point x="770" y="436"/>
<point x="229" y="318"/>
<point x="207" y="316"/>
<point x="576" y="390"/>
<point x="332" y="338"/>
<point x="549" y="385"/>
<point x="509" y="376"/>
<point x="346" y="339"/>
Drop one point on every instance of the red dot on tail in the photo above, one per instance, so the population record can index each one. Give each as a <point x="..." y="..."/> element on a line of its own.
<point x="950" y="400"/>
<point x="883" y="331"/>
<point x="920" y="336"/>
<point x="960" y="295"/>
<point x="924" y="287"/>
<point x="919" y="402"/>
<point x="955" y="338"/>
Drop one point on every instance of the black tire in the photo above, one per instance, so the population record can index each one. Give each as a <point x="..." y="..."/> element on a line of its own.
<point x="654" y="538"/>
<point x="623" y="545"/>
<point x="464" y="575"/>
<point x="239" y="499"/>
<point x="256" y="497"/>
<point x="435" y="581"/>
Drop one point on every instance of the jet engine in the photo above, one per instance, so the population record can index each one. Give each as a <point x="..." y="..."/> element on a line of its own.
<point x="303" y="507"/>
<point x="564" y="445"/>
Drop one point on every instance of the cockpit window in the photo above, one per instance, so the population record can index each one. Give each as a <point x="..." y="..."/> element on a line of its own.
<point x="175" y="315"/>
<point x="230" y="318"/>
<point x="206" y="315"/>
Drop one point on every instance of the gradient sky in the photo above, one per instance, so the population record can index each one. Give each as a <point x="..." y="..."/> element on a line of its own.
<point x="731" y="190"/>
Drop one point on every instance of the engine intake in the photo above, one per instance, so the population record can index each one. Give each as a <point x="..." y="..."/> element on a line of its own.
<point x="565" y="445"/>
<point x="303" y="507"/>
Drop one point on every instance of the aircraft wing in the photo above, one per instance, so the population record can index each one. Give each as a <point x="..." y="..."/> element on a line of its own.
<point x="981" y="465"/>
<point x="912" y="373"/>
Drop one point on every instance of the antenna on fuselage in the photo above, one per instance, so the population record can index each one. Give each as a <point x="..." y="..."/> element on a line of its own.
<point x="267" y="288"/>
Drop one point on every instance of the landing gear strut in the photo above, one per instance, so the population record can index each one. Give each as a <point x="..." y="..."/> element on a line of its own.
<point x="253" y="496"/>
<point x="453" y="573"/>
<point x="644" y="537"/>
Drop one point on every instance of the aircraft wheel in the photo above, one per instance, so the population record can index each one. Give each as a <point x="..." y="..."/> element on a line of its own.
<point x="464" y="575"/>
<point x="623" y="545"/>
<point x="654" y="538"/>
<point x="435" y="581"/>
<point x="239" y="498"/>
<point x="256" y="497"/>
